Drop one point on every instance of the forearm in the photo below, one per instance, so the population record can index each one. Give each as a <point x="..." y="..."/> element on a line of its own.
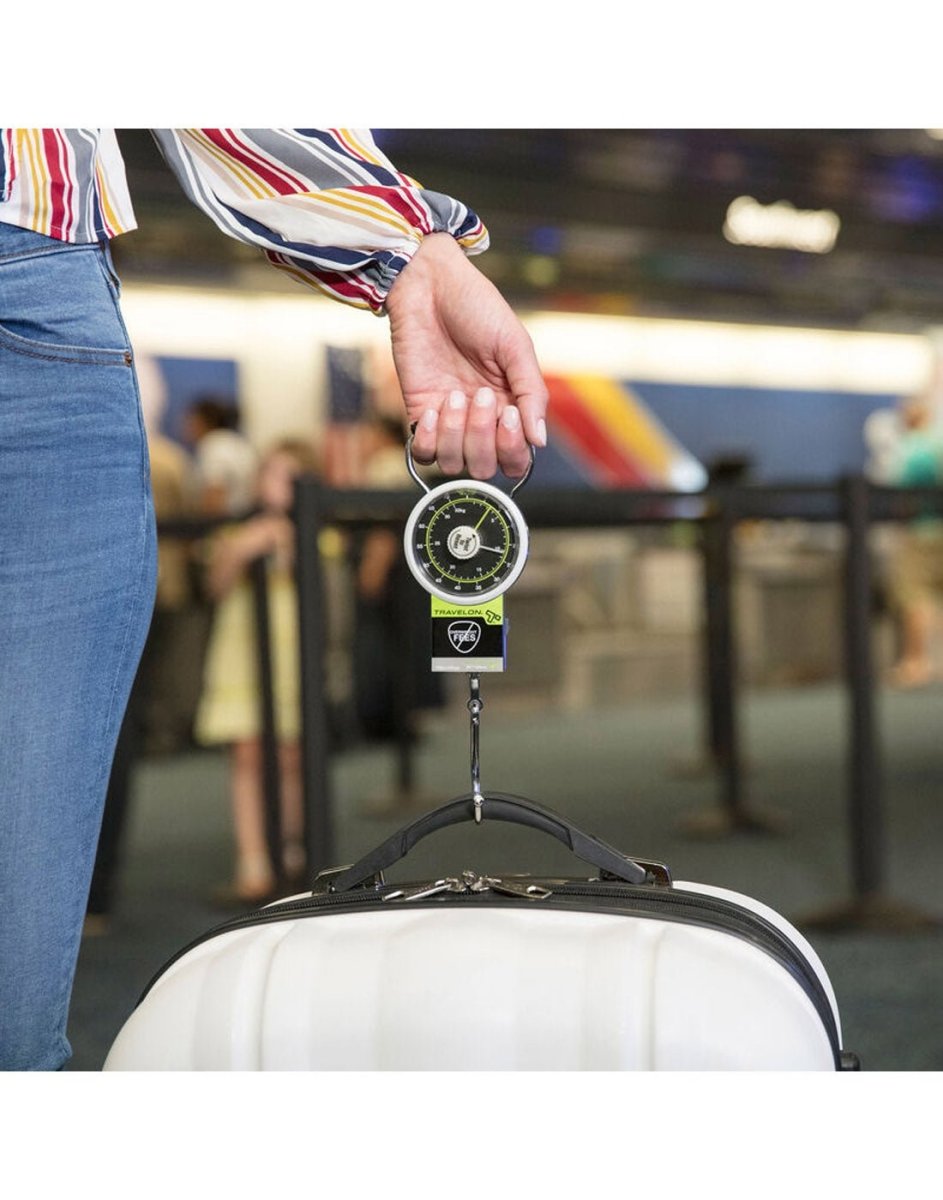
<point x="226" y="567"/>
<point x="234" y="551"/>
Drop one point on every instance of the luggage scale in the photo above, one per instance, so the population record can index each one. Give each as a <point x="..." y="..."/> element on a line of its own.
<point x="466" y="543"/>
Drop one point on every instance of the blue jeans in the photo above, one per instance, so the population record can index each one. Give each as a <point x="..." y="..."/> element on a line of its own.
<point x="77" y="578"/>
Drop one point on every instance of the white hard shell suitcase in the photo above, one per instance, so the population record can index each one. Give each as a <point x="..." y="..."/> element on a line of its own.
<point x="623" y="970"/>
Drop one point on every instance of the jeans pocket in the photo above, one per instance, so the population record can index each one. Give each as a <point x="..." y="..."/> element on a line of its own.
<point x="62" y="305"/>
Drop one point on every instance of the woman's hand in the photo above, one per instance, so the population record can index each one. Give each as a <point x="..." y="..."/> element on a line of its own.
<point x="466" y="366"/>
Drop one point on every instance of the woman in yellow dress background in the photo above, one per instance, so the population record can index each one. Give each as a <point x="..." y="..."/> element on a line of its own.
<point x="229" y="708"/>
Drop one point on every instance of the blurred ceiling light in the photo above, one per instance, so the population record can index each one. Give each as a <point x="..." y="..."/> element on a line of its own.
<point x="713" y="353"/>
<point x="278" y="342"/>
<point x="782" y="225"/>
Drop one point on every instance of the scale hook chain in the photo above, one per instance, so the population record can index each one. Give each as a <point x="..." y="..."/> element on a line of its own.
<point x="475" y="705"/>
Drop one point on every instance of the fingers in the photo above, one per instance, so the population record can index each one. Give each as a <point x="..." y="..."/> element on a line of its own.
<point x="465" y="435"/>
<point x="479" y="444"/>
<point x="451" y="434"/>
<point x="424" y="438"/>
<point x="513" y="451"/>
<point x="469" y="438"/>
<point x="533" y="410"/>
<point x="527" y="386"/>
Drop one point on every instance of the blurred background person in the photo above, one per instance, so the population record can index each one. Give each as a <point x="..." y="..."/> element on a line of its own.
<point x="228" y="713"/>
<point x="167" y="720"/>
<point x="391" y="663"/>
<point x="916" y="567"/>
<point x="882" y="433"/>
<point x="390" y="650"/>
<point x="226" y="462"/>
<point x="224" y="468"/>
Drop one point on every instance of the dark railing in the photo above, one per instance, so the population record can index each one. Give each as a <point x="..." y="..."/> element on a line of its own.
<point x="853" y="503"/>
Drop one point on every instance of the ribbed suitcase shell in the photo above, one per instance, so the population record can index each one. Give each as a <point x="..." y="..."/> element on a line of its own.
<point x="479" y="988"/>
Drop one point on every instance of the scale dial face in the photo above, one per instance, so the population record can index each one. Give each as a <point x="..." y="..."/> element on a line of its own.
<point x="466" y="542"/>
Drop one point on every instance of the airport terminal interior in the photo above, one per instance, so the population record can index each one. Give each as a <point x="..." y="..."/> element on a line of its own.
<point x="738" y="329"/>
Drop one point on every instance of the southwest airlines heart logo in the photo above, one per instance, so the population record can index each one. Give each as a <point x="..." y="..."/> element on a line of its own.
<point x="464" y="635"/>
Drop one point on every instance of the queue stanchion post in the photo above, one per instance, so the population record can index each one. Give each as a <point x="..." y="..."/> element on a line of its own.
<point x="271" y="775"/>
<point x="706" y="760"/>
<point x="870" y="907"/>
<point x="865" y="775"/>
<point x="406" y="652"/>
<point x="404" y="689"/>
<point x="711" y="661"/>
<point x="317" y="792"/>
<point x="722" y="684"/>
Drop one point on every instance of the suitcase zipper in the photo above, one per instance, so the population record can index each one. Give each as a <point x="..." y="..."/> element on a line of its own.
<point x="470" y="882"/>
<point x="633" y="900"/>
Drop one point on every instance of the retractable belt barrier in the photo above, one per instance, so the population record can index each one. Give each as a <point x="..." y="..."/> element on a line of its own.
<point x="853" y="502"/>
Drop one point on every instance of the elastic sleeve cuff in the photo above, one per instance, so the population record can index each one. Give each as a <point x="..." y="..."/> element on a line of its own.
<point x="388" y="269"/>
<point x="366" y="281"/>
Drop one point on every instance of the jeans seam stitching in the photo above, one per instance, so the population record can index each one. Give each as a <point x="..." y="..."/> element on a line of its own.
<point x="142" y="458"/>
<point x="113" y="284"/>
<point x="131" y="624"/>
<point x="139" y="589"/>
<point x="62" y="248"/>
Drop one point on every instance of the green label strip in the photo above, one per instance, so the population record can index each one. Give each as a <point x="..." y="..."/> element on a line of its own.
<point x="491" y="613"/>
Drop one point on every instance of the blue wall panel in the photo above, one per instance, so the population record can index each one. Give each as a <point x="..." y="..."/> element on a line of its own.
<point x="790" y="435"/>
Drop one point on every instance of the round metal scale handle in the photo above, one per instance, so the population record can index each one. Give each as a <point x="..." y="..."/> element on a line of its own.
<point x="411" y="467"/>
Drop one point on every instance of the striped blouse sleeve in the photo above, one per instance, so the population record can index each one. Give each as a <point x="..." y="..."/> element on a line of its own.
<point x="324" y="205"/>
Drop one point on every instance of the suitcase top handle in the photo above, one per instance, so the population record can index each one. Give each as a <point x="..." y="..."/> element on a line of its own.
<point x="501" y="807"/>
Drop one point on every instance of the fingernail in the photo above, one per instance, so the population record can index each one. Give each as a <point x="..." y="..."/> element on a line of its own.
<point x="456" y="400"/>
<point x="511" y="417"/>
<point x="430" y="419"/>
<point x="484" y="397"/>
<point x="541" y="432"/>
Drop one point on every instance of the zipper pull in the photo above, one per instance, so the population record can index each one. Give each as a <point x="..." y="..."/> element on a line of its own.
<point x="518" y="889"/>
<point x="430" y="889"/>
